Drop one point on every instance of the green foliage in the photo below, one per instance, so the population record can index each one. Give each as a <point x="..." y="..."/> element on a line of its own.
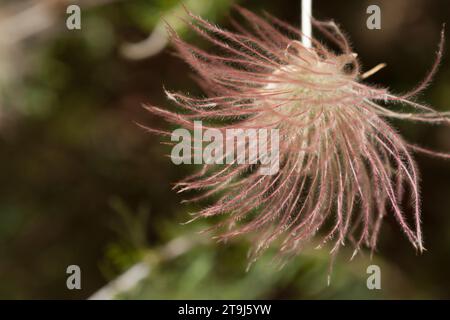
<point x="130" y="228"/>
<point x="172" y="10"/>
<point x="218" y="272"/>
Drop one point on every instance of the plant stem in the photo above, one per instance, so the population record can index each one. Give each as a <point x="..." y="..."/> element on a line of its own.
<point x="306" y="23"/>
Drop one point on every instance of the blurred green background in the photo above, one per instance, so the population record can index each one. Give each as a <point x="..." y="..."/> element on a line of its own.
<point x="82" y="184"/>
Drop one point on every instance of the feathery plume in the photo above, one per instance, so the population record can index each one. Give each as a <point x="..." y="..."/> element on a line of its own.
<point x="342" y="166"/>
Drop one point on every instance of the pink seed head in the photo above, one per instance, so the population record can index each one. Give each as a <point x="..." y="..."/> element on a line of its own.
<point x="342" y="167"/>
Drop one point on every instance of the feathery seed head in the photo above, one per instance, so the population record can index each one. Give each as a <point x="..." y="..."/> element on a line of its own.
<point x="342" y="167"/>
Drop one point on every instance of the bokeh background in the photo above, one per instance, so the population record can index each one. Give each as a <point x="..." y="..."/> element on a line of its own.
<point x="81" y="183"/>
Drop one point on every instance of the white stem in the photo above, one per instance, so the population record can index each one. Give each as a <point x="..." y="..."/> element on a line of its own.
<point x="141" y="270"/>
<point x="306" y="23"/>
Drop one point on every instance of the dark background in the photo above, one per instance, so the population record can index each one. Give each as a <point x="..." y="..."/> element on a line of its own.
<point x="81" y="184"/>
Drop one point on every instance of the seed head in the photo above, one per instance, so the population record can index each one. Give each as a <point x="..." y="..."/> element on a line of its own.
<point x="342" y="166"/>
